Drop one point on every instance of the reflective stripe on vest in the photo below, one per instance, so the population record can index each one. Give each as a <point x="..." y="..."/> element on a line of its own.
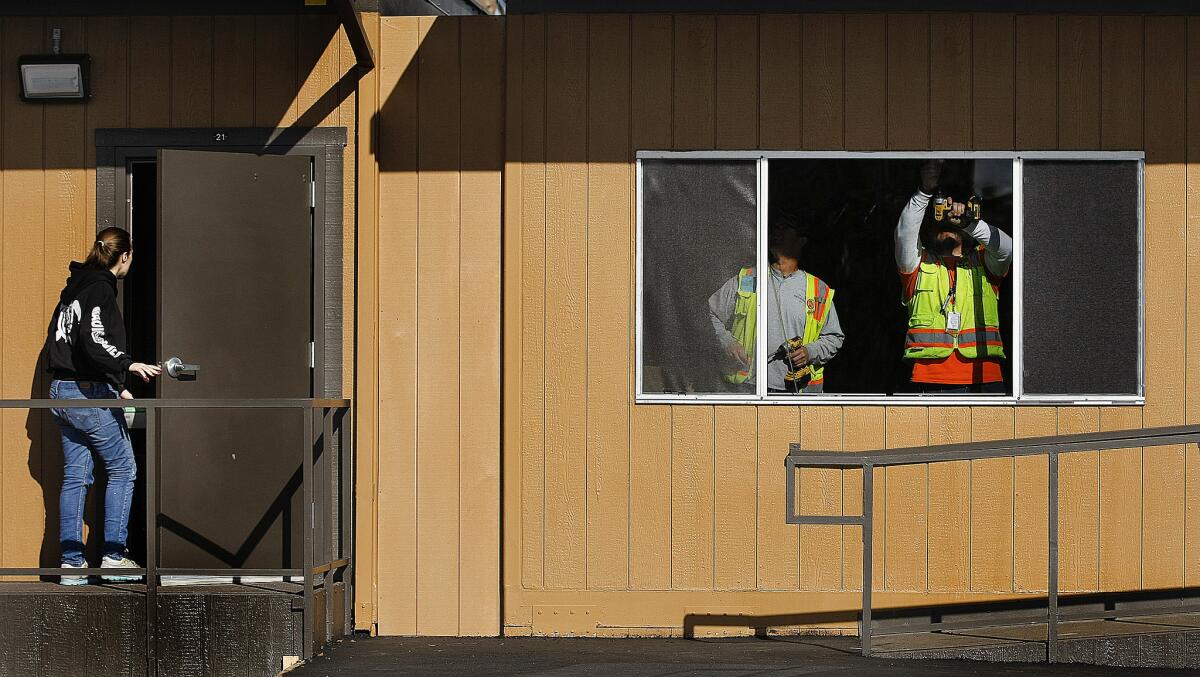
<point x="818" y="295"/>
<point x="978" y="336"/>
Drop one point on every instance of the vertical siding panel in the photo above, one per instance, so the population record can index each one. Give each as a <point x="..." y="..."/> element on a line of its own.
<point x="695" y="82"/>
<point x="736" y="426"/>
<point x="25" y="314"/>
<point x="693" y="435"/>
<point x="992" y="504"/>
<point x="737" y="82"/>
<point x="149" y="71"/>
<point x="949" y="504"/>
<point x="1079" y="82"/>
<point x="692" y="497"/>
<point x="438" y="330"/>
<point x="233" y="87"/>
<point x="1121" y="101"/>
<point x="609" y="295"/>
<point x="1192" y="378"/>
<point x="821" y="427"/>
<point x="906" y="530"/>
<point x="533" y="303"/>
<point x="863" y="430"/>
<point x="821" y="75"/>
<point x="865" y="128"/>
<point x="736" y="465"/>
<point x="67" y="233"/>
<point x="191" y="71"/>
<point x="1079" y="505"/>
<point x="1079" y="473"/>
<point x="905" y="500"/>
<point x="991" y="480"/>
<point x="1036" y="127"/>
<point x="820" y="493"/>
<point x="398" y="212"/>
<point x="482" y="104"/>
<point x="650" y="426"/>
<point x="109" y="47"/>
<point x="779" y="118"/>
<point x="866" y="61"/>
<point x="1030" y="500"/>
<point x="778" y="545"/>
<point x="275" y="75"/>
<point x="1036" y="113"/>
<point x="992" y="84"/>
<point x="908" y="81"/>
<point x="512" y="451"/>
<point x="949" y="489"/>
<point x="320" y="69"/>
<point x="950" y="60"/>
<point x="566" y="301"/>
<point x="1166" y="299"/>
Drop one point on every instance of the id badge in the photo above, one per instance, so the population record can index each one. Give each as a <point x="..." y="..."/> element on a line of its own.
<point x="953" y="321"/>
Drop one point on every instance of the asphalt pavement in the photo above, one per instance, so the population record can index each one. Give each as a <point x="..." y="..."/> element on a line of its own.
<point x="577" y="657"/>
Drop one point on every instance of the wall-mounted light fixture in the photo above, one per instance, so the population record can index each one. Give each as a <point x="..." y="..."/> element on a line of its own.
<point x="54" y="77"/>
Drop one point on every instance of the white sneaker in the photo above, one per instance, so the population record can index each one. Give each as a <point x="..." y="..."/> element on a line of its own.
<point x="123" y="563"/>
<point x="73" y="580"/>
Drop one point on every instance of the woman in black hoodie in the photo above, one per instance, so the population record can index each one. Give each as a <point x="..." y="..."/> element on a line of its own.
<point x="85" y="346"/>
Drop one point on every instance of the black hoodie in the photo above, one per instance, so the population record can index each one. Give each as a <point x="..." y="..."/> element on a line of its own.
<point x="86" y="337"/>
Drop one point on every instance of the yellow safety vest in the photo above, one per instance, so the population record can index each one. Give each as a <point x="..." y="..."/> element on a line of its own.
<point x="817" y="298"/>
<point x="975" y="300"/>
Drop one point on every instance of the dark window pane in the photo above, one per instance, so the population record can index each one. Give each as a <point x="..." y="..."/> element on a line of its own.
<point x="1081" y="284"/>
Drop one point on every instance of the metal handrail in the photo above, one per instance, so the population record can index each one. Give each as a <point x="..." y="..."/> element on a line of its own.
<point x="1051" y="447"/>
<point x="331" y="567"/>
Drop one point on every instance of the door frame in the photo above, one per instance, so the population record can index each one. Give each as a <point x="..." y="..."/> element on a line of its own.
<point x="325" y="145"/>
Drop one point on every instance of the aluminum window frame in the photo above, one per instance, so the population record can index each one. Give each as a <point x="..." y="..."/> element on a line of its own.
<point x="762" y="203"/>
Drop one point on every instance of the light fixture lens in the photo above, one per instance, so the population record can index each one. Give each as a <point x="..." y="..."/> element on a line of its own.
<point x="52" y="80"/>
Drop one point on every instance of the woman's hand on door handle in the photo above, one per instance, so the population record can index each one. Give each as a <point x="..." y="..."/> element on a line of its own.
<point x="146" y="371"/>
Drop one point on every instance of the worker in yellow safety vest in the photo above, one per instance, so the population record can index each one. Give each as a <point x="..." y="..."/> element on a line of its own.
<point x="951" y="266"/>
<point x="799" y="308"/>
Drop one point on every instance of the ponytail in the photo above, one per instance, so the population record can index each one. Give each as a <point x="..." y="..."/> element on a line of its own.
<point x="110" y="244"/>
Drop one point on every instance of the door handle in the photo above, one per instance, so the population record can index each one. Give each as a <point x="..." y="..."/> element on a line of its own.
<point x="176" y="368"/>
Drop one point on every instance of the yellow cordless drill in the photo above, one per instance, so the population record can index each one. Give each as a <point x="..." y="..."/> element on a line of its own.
<point x="794" y="379"/>
<point x="942" y="205"/>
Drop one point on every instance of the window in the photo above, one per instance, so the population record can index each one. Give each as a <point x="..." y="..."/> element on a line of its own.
<point x="965" y="277"/>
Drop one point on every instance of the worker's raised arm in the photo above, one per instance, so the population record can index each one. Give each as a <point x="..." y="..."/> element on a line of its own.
<point x="908" y="229"/>
<point x="908" y="233"/>
<point x="997" y="245"/>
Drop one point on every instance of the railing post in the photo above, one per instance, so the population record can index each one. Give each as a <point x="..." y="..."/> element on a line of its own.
<point x="1052" y="561"/>
<point x="307" y="509"/>
<point x="151" y="555"/>
<point x="867" y="510"/>
<point x="346" y="513"/>
<point x="327" y="517"/>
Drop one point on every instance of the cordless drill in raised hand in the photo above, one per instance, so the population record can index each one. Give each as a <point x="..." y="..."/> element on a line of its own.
<point x="795" y="379"/>
<point x="942" y="204"/>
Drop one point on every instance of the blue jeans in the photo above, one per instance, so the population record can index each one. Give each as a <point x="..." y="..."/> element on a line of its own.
<point x="85" y="431"/>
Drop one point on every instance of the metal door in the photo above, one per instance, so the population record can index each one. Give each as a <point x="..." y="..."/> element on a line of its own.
<point x="234" y="299"/>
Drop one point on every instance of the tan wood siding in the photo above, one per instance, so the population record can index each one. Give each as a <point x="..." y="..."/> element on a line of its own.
<point x="694" y="520"/>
